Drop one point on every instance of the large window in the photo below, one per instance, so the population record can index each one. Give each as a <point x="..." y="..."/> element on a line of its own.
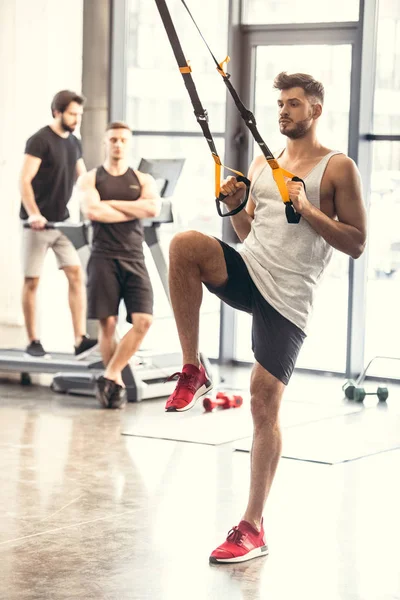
<point x="156" y="96"/>
<point x="159" y="110"/>
<point x="383" y="290"/>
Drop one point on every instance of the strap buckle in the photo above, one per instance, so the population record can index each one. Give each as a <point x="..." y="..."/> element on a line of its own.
<point x="201" y="116"/>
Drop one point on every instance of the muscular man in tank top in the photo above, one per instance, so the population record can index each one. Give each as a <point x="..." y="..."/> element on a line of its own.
<point x="273" y="277"/>
<point x="116" y="198"/>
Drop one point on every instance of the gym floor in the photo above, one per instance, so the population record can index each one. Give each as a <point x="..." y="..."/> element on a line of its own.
<point x="89" y="513"/>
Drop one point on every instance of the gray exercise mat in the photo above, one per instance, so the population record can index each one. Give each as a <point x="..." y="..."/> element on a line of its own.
<point x="339" y="439"/>
<point x="194" y="426"/>
<point x="220" y="426"/>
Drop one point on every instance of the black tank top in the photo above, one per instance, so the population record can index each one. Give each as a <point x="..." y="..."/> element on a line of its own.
<point x="118" y="240"/>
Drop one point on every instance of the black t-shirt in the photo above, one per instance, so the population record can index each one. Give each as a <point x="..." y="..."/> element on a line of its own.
<point x="53" y="183"/>
<point x="118" y="240"/>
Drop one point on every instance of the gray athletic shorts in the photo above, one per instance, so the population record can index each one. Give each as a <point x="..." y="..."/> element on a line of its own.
<point x="276" y="341"/>
<point x="34" y="249"/>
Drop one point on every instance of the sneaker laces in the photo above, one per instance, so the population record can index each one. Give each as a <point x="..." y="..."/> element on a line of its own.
<point x="235" y="536"/>
<point x="185" y="380"/>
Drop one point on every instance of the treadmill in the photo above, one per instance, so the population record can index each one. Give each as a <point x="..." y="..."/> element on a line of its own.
<point x="146" y="373"/>
<point x="16" y="360"/>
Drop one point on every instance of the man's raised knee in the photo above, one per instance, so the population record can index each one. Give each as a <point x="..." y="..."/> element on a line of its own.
<point x="185" y="244"/>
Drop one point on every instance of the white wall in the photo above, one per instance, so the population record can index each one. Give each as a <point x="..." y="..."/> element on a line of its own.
<point x="40" y="54"/>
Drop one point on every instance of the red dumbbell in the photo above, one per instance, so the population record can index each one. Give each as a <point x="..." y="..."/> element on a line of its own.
<point x="222" y="400"/>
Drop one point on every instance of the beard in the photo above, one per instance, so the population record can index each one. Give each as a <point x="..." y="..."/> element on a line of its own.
<point x="65" y="126"/>
<point x="299" y="130"/>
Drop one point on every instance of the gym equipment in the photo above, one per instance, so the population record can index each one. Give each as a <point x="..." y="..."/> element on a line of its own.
<point x="223" y="400"/>
<point x="201" y="114"/>
<point x="353" y="390"/>
<point x="360" y="393"/>
<point x="145" y="375"/>
<point x="15" y="360"/>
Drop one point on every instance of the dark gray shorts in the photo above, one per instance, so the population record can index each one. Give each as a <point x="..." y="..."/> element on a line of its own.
<point x="110" y="280"/>
<point x="276" y="341"/>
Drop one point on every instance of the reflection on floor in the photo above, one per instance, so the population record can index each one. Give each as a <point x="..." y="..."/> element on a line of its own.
<point x="89" y="513"/>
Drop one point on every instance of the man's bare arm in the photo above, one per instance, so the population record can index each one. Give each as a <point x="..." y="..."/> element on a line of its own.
<point x="347" y="234"/>
<point x="147" y="206"/>
<point x="80" y="167"/>
<point x="92" y="206"/>
<point x="30" y="167"/>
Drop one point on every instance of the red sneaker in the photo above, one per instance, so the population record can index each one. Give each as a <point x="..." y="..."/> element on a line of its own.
<point x="243" y="543"/>
<point x="192" y="384"/>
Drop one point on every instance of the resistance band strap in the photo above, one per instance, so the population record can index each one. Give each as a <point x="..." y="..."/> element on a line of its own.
<point x="250" y="120"/>
<point x="246" y="114"/>
<point x="199" y="111"/>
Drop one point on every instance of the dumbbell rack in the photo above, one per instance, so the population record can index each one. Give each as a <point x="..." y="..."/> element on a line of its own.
<point x="354" y="391"/>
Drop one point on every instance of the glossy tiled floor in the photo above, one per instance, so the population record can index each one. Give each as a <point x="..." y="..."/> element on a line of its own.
<point x="87" y="513"/>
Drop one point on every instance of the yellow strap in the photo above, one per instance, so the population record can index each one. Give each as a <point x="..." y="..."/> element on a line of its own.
<point x="217" y="174"/>
<point x="218" y="166"/>
<point x="187" y="69"/>
<point x="279" y="175"/>
<point x="220" y="67"/>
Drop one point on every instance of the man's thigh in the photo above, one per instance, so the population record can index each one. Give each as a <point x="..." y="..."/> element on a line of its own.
<point x="201" y="249"/>
<point x="66" y="253"/>
<point x="238" y="289"/>
<point x="34" y="248"/>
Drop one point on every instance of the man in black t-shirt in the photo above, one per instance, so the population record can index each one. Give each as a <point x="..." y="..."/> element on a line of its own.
<point x="52" y="162"/>
<point x="116" y="198"/>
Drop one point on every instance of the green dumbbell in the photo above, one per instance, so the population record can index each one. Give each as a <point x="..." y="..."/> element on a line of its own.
<point x="382" y="393"/>
<point x="349" y="388"/>
<point x="359" y="394"/>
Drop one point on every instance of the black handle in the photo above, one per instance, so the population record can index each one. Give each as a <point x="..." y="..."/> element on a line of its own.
<point x="236" y="210"/>
<point x="291" y="215"/>
<point x="47" y="225"/>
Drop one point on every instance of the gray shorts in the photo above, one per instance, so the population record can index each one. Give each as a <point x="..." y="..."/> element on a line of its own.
<point x="34" y="249"/>
<point x="276" y="341"/>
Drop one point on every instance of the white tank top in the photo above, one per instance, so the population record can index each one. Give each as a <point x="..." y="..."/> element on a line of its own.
<point x="286" y="260"/>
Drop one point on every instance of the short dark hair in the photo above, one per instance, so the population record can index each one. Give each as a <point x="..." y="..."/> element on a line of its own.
<point x="118" y="125"/>
<point x="311" y="86"/>
<point x="63" y="99"/>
